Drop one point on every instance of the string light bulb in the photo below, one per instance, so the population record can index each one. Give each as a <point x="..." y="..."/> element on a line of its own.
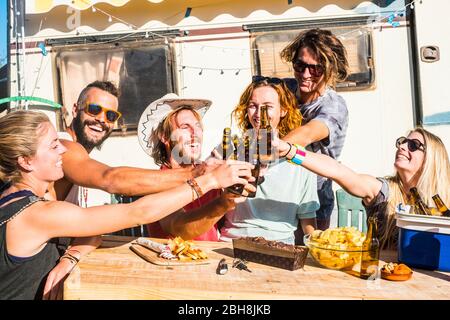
<point x="93" y="9"/>
<point x="412" y="6"/>
<point x="146" y="34"/>
<point x="221" y="71"/>
<point x="201" y="72"/>
<point x="109" y="19"/>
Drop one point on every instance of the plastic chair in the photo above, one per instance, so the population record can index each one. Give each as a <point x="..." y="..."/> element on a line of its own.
<point x="351" y="212"/>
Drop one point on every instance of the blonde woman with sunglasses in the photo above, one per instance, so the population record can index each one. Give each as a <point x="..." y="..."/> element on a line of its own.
<point x="31" y="158"/>
<point x="421" y="161"/>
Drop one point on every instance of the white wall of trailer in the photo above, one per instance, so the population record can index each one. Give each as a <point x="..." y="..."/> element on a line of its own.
<point x="377" y="116"/>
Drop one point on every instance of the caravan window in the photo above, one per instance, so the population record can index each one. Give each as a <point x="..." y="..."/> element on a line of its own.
<point x="267" y="43"/>
<point x="142" y="71"/>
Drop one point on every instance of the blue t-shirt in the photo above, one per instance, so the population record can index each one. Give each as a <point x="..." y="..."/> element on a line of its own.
<point x="331" y="109"/>
<point x="287" y="195"/>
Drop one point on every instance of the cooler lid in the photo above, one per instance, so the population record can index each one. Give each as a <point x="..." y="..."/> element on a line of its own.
<point x="423" y="223"/>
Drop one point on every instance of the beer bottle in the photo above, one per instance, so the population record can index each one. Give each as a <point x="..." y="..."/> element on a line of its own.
<point x="371" y="250"/>
<point x="255" y="172"/>
<point x="229" y="150"/>
<point x="239" y="188"/>
<point x="235" y="140"/>
<point x="227" y="146"/>
<point x="441" y="206"/>
<point x="265" y="136"/>
<point x="419" y="206"/>
<point x="246" y="145"/>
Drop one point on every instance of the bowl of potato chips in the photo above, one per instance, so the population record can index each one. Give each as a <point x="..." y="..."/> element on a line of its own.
<point x="336" y="248"/>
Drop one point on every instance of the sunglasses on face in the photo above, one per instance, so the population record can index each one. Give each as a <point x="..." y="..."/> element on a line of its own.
<point x="413" y="144"/>
<point x="94" y="109"/>
<point x="316" y="70"/>
<point x="257" y="79"/>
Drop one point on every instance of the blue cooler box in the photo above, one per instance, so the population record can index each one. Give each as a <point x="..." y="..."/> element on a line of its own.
<point x="424" y="241"/>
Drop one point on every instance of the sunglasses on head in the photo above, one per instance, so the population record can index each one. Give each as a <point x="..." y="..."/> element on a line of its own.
<point x="316" y="70"/>
<point x="413" y="144"/>
<point x="257" y="79"/>
<point x="94" y="109"/>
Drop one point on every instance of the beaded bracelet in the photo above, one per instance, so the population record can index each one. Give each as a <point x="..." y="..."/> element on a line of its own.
<point x="300" y="154"/>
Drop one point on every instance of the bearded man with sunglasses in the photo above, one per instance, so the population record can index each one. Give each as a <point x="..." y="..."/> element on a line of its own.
<point x="94" y="117"/>
<point x="319" y="61"/>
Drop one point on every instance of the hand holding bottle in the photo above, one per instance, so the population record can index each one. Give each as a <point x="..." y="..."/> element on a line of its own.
<point x="280" y="147"/>
<point x="231" y="172"/>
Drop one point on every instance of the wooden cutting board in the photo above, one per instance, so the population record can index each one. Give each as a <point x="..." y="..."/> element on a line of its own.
<point x="153" y="257"/>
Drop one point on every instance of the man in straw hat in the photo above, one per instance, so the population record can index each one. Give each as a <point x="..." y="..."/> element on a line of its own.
<point x="171" y="131"/>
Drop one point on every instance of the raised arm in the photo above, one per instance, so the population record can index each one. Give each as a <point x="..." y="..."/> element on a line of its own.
<point x="360" y="185"/>
<point x="304" y="135"/>
<point x="62" y="219"/>
<point x="80" y="169"/>
<point x="198" y="221"/>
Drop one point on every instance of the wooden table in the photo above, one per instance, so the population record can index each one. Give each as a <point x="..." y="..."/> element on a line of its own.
<point x="115" y="272"/>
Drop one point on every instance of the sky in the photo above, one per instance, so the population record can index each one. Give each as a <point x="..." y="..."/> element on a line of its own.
<point x="3" y="34"/>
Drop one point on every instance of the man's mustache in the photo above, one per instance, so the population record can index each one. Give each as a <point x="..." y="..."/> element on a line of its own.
<point x="95" y="123"/>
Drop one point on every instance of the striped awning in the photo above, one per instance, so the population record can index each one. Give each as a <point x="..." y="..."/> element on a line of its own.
<point x="40" y="6"/>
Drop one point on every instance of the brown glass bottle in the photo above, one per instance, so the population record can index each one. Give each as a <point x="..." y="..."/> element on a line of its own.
<point x="255" y="173"/>
<point x="419" y="206"/>
<point x="239" y="188"/>
<point x="227" y="145"/>
<point x="236" y="143"/>
<point x="371" y="250"/>
<point x="229" y="151"/>
<point x="441" y="206"/>
<point x="265" y="136"/>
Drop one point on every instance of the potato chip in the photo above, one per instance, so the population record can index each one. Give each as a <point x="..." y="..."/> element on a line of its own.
<point x="184" y="250"/>
<point x="337" y="248"/>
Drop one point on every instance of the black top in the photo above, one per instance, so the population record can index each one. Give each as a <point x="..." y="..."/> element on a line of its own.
<point x="24" y="278"/>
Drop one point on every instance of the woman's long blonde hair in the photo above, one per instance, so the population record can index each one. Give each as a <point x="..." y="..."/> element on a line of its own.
<point x="288" y="103"/>
<point x="18" y="138"/>
<point x="434" y="179"/>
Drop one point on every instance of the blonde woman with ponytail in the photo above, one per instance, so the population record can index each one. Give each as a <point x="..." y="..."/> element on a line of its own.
<point x="421" y="161"/>
<point x="30" y="159"/>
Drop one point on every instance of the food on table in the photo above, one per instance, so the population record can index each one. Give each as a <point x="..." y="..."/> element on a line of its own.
<point x="344" y="237"/>
<point x="185" y="250"/>
<point x="395" y="268"/>
<point x="163" y="249"/>
<point x="272" y="253"/>
<point x="336" y="248"/>
<point x="396" y="271"/>
<point x="175" y="249"/>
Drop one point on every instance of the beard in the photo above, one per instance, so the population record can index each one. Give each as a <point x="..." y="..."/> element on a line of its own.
<point x="82" y="138"/>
